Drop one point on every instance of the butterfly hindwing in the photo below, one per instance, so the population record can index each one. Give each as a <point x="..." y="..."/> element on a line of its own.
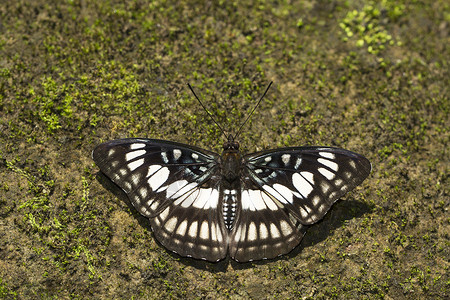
<point x="176" y="186"/>
<point x="264" y="228"/>
<point x="191" y="226"/>
<point x="307" y="180"/>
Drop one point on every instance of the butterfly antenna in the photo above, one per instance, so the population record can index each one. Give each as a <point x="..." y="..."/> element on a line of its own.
<point x="209" y="114"/>
<point x="257" y="104"/>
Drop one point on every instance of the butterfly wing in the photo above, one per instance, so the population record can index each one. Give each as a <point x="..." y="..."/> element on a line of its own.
<point x="264" y="228"/>
<point x="284" y="189"/>
<point x="176" y="186"/>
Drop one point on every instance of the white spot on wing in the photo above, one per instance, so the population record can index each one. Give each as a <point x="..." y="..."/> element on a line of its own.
<point x="214" y="198"/>
<point x="352" y="164"/>
<point x="325" y="172"/>
<point x="163" y="215"/>
<point x="180" y="192"/>
<point x="268" y="159"/>
<point x="285" y="158"/>
<point x="330" y="164"/>
<point x="315" y="200"/>
<point x="213" y="232"/>
<point x="154" y="204"/>
<point x="135" y="178"/>
<point x="274" y="193"/>
<point x="127" y="186"/>
<point x="143" y="191"/>
<point x="263" y="232"/>
<point x="137" y="146"/>
<point x="158" y="178"/>
<point x="274" y="232"/>
<point x="195" y="156"/>
<point x="164" y="157"/>
<point x="303" y="212"/>
<point x="322" y="208"/>
<point x="204" y="230"/>
<point x="298" y="163"/>
<point x="252" y="234"/>
<point x="269" y="202"/>
<point x="176" y="154"/>
<point x="111" y="152"/>
<point x="152" y="169"/>
<point x="257" y="200"/>
<point x="245" y="199"/>
<point x="194" y="198"/>
<point x="170" y="224"/>
<point x="185" y="200"/>
<point x="156" y="220"/>
<point x="175" y="187"/>
<point x="328" y="155"/>
<point x="286" y="229"/>
<point x="303" y="183"/>
<point x="193" y="229"/>
<point x="133" y="154"/>
<point x="285" y="192"/>
<point x="252" y="200"/>
<point x="136" y="164"/>
<point x="206" y="198"/>
<point x="238" y="235"/>
<point x="325" y="187"/>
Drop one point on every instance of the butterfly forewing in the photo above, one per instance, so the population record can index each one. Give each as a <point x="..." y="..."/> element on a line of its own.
<point x="307" y="180"/>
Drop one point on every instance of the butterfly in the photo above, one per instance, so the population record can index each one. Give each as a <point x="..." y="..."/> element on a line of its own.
<point x="208" y="206"/>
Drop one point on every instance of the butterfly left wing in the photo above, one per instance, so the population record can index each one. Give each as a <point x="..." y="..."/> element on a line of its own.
<point x="176" y="186"/>
<point x="284" y="189"/>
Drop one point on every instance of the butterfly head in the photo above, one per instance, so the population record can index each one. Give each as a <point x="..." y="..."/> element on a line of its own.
<point x="231" y="144"/>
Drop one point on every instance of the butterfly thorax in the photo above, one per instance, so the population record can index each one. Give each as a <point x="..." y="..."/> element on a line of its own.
<point x="231" y="160"/>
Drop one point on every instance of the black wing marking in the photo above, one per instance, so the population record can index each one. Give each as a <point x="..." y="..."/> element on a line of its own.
<point x="307" y="180"/>
<point x="176" y="186"/>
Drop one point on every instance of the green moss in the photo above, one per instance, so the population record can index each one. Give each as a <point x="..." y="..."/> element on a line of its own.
<point x="5" y="292"/>
<point x="365" y="27"/>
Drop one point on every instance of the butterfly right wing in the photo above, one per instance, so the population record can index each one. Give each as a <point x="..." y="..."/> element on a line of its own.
<point x="176" y="186"/>
<point x="283" y="190"/>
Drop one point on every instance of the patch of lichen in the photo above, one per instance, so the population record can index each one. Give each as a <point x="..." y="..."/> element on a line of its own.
<point x="369" y="76"/>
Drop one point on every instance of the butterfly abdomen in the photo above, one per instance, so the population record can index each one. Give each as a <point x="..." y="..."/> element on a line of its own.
<point x="229" y="207"/>
<point x="230" y="170"/>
